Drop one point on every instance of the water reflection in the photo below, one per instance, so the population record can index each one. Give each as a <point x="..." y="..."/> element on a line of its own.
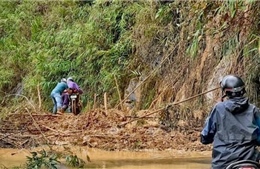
<point x="119" y="160"/>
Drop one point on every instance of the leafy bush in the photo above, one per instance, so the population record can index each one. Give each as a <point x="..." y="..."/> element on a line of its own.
<point x="50" y="160"/>
<point x="42" y="159"/>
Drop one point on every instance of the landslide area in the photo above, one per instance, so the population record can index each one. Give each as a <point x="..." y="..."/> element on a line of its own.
<point x="145" y="54"/>
<point x="108" y="130"/>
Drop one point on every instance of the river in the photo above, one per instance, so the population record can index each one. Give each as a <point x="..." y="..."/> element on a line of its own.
<point x="174" y="159"/>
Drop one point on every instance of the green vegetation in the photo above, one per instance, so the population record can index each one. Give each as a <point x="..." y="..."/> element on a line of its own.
<point x="102" y="43"/>
<point x="50" y="160"/>
<point x="42" y="160"/>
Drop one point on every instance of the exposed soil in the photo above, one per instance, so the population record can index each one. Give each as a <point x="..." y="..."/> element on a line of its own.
<point x="98" y="129"/>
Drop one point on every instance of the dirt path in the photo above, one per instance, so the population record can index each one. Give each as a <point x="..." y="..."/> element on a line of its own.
<point x="96" y="129"/>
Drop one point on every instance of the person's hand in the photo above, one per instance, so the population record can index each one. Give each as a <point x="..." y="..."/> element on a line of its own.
<point x="69" y="91"/>
<point x="220" y="99"/>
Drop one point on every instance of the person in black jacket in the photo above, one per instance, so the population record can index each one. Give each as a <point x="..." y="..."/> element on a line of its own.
<point x="233" y="126"/>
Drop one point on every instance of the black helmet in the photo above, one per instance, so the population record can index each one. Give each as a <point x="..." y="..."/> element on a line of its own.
<point x="233" y="86"/>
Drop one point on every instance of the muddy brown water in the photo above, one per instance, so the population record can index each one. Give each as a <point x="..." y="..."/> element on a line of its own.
<point x="172" y="159"/>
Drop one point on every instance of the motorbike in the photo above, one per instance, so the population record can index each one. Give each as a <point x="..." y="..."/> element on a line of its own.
<point x="244" y="164"/>
<point x="75" y="103"/>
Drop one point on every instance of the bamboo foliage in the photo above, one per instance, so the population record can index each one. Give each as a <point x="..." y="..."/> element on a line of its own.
<point x="42" y="42"/>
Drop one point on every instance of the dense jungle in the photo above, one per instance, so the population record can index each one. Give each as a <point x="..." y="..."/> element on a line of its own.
<point x="150" y="70"/>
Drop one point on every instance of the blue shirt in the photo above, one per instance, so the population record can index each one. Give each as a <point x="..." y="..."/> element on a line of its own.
<point x="59" y="88"/>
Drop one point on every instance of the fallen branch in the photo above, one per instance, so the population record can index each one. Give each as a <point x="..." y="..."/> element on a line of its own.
<point x="4" y="136"/>
<point x="37" y="126"/>
<point x="118" y="92"/>
<point x="54" y="130"/>
<point x="21" y="144"/>
<point x="39" y="96"/>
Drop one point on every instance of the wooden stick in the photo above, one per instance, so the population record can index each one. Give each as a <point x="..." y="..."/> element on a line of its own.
<point x="24" y="114"/>
<point x="54" y="129"/>
<point x="4" y="136"/>
<point x="39" y="96"/>
<point x="105" y="102"/>
<point x="118" y="91"/>
<point x="95" y="100"/>
<point x="37" y="127"/>
<point x="21" y="144"/>
<point x="174" y="103"/>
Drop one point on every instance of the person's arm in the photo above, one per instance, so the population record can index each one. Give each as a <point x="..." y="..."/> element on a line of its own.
<point x="65" y="88"/>
<point x="80" y="91"/>
<point x="78" y="88"/>
<point x="209" y="130"/>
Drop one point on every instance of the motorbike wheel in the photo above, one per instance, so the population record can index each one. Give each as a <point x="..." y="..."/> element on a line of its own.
<point x="74" y="107"/>
<point x="79" y="107"/>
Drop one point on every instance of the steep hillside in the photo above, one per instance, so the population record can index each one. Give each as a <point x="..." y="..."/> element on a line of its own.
<point x="128" y="55"/>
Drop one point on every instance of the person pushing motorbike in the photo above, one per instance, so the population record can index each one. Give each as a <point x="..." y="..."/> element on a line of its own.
<point x="56" y="95"/>
<point x="233" y="126"/>
<point x="73" y="87"/>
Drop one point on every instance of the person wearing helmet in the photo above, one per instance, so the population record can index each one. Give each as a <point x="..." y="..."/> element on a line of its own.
<point x="73" y="87"/>
<point x="232" y="126"/>
<point x="56" y="95"/>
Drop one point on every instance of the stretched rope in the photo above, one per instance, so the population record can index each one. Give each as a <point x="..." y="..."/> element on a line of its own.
<point x="170" y="104"/>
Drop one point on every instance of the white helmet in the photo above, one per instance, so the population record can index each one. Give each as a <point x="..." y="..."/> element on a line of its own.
<point x="63" y="80"/>
<point x="70" y="79"/>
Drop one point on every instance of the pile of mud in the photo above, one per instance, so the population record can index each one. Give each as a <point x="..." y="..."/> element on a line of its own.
<point x="98" y="129"/>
